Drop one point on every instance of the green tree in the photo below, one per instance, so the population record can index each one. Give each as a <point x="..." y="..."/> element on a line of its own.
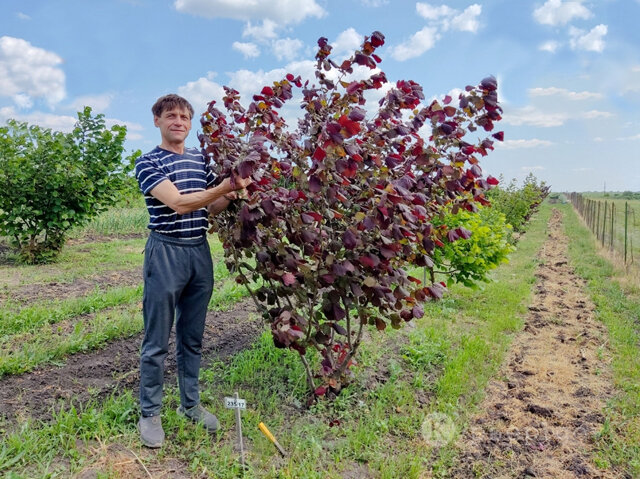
<point x="52" y="181"/>
<point x="476" y="243"/>
<point x="519" y="203"/>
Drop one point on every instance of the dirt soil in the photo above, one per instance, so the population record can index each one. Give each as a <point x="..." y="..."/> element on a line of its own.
<point x="96" y="374"/>
<point x="543" y="408"/>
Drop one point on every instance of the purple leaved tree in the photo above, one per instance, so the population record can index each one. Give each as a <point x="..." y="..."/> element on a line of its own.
<point x="342" y="204"/>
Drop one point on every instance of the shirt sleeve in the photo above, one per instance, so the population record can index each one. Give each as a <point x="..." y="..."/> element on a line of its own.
<point x="148" y="174"/>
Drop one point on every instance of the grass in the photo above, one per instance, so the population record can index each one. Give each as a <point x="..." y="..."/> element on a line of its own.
<point x="48" y="330"/>
<point x="618" y="308"/>
<point x="76" y="261"/>
<point x="31" y="318"/>
<point x="114" y="315"/>
<point x="116" y="221"/>
<point x="373" y="428"/>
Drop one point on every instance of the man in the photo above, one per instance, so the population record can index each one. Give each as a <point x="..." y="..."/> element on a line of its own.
<point x="178" y="272"/>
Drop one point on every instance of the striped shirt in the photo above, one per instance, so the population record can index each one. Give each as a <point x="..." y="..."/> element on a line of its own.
<point x="189" y="173"/>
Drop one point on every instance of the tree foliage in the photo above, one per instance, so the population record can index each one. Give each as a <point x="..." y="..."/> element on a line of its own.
<point x="343" y="203"/>
<point x="52" y="181"/>
<point x="518" y="203"/>
<point x="476" y="243"/>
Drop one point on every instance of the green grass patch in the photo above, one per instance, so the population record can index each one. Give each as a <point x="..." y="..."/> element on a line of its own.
<point x="77" y="261"/>
<point x="89" y="259"/>
<point x="41" y="334"/>
<point x="30" y="318"/>
<point x="619" y="310"/>
<point x="116" y="221"/>
<point x="52" y="343"/>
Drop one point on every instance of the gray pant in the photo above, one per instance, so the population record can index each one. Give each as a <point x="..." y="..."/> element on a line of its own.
<point x="178" y="281"/>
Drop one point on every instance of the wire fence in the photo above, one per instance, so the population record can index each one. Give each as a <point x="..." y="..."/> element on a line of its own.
<point x="613" y="222"/>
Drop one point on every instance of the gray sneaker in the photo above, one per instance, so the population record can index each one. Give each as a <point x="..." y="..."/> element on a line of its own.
<point x="200" y="415"/>
<point x="151" y="432"/>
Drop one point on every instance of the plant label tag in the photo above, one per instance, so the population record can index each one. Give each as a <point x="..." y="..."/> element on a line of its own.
<point x="235" y="403"/>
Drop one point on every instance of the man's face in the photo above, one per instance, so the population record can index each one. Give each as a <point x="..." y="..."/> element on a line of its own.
<point x="174" y="125"/>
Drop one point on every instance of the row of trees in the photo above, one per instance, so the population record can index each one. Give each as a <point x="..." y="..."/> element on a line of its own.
<point x="519" y="202"/>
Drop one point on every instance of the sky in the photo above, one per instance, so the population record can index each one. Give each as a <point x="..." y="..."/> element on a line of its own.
<point x="568" y="71"/>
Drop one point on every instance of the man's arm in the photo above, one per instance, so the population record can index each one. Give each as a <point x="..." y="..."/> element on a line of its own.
<point x="167" y="192"/>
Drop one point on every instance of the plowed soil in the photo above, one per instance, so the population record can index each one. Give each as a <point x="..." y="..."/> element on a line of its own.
<point x="544" y="407"/>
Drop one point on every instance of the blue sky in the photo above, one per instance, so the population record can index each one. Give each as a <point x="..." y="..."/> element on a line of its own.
<point x="568" y="71"/>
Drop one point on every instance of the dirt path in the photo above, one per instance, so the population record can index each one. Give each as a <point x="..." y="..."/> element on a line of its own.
<point x="96" y="374"/>
<point x="541" y="412"/>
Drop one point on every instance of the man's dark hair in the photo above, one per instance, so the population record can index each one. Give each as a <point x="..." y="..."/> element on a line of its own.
<point x="169" y="102"/>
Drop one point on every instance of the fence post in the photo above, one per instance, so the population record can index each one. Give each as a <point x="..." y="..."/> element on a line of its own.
<point x="596" y="230"/>
<point x="613" y="209"/>
<point x="604" y="223"/>
<point x="626" y="223"/>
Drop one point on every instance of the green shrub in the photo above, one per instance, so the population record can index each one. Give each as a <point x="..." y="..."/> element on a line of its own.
<point x="52" y="181"/>
<point x="469" y="260"/>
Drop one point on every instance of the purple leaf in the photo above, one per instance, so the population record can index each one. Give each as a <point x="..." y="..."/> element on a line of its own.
<point x="349" y="239"/>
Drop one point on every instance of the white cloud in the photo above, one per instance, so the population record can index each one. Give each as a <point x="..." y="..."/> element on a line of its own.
<point x="248" y="50"/>
<point x="22" y="100"/>
<point x="528" y="169"/>
<point x="287" y="48"/>
<point x="519" y="144"/>
<point x="557" y="12"/>
<point x="533" y="117"/>
<point x="446" y="18"/>
<point x="596" y="114"/>
<point x="592" y="41"/>
<point x="467" y="21"/>
<point x="347" y="42"/>
<point x="98" y="103"/>
<point x="551" y="46"/>
<point x="23" y="16"/>
<point x="563" y="92"/>
<point x="430" y="12"/>
<point x="419" y="43"/>
<point x="262" y="32"/>
<point x="201" y="92"/>
<point x="63" y="123"/>
<point x="28" y="71"/>
<point x="282" y="12"/>
<point x="439" y="19"/>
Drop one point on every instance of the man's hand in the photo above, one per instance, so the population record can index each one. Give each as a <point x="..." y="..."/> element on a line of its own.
<point x="237" y="184"/>
<point x="237" y="195"/>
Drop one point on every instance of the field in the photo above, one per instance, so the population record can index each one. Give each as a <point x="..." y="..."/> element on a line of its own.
<point x="535" y="374"/>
